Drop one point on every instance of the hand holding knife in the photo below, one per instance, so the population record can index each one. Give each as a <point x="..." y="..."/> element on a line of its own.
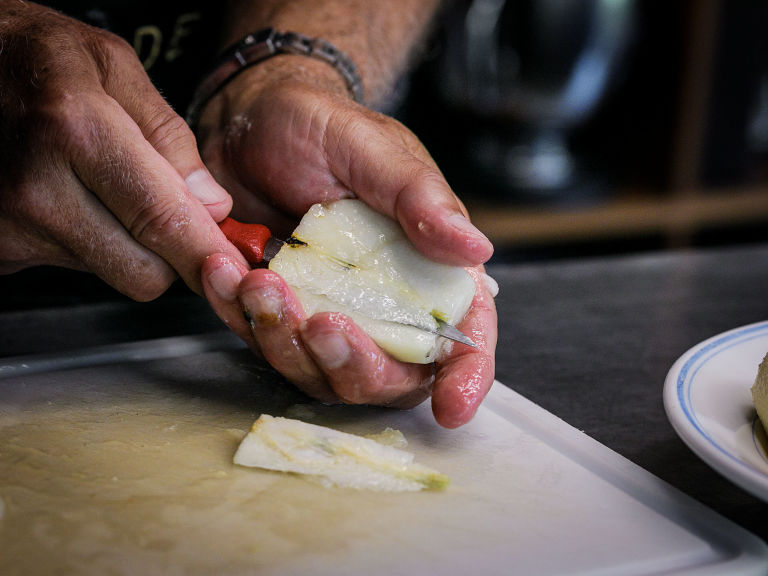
<point x="256" y="243"/>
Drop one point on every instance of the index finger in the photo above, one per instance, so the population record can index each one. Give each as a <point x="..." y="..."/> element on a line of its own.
<point x="126" y="81"/>
<point x="144" y="191"/>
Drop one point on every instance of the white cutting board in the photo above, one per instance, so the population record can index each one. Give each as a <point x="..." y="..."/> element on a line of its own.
<point x="118" y="461"/>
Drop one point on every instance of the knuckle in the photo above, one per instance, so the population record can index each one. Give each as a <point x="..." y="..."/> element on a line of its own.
<point x="161" y="221"/>
<point x="166" y="130"/>
<point x="109" y="51"/>
<point x="65" y="120"/>
<point x="140" y="278"/>
<point x="358" y="390"/>
<point x="110" y="44"/>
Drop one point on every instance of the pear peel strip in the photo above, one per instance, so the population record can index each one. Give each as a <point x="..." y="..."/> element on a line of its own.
<point x="334" y="458"/>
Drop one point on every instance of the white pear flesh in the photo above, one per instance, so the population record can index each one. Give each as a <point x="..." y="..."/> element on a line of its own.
<point x="348" y="258"/>
<point x="333" y="458"/>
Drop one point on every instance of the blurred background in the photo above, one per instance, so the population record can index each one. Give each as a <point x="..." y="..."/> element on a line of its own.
<point x="586" y="127"/>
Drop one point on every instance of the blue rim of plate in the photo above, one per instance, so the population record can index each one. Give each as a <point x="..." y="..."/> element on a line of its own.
<point x="687" y="367"/>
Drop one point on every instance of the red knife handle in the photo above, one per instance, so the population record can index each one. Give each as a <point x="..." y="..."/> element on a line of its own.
<point x="250" y="239"/>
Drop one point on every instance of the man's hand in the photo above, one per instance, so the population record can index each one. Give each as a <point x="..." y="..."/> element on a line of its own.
<point x="96" y="171"/>
<point x="280" y="147"/>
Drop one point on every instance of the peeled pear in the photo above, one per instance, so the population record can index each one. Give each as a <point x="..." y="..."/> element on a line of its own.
<point x="346" y="257"/>
<point x="333" y="458"/>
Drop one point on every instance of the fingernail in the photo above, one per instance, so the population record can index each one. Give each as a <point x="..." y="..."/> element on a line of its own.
<point x="203" y="187"/>
<point x="490" y="284"/>
<point x="330" y="350"/>
<point x="225" y="281"/>
<point x="461" y="223"/>
<point x="263" y="307"/>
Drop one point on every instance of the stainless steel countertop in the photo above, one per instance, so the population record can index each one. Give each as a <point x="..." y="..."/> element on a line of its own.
<point x="588" y="340"/>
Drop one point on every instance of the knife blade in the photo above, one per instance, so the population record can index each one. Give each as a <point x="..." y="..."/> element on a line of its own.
<point x="256" y="243"/>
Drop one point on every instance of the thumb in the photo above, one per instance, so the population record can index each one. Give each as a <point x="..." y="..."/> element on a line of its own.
<point x="386" y="166"/>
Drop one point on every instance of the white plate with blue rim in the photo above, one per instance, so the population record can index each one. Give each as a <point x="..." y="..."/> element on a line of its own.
<point x="708" y="400"/>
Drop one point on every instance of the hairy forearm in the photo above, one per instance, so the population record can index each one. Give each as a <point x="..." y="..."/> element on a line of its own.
<point x="380" y="36"/>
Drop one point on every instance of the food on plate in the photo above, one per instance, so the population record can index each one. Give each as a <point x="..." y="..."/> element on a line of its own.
<point x="334" y="458"/>
<point x="345" y="257"/>
<point x="760" y="392"/>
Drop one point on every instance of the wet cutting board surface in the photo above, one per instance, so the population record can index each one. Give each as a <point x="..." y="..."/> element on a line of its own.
<point x="119" y="462"/>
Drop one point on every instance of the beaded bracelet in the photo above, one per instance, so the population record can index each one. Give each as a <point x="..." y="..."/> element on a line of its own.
<point x="262" y="45"/>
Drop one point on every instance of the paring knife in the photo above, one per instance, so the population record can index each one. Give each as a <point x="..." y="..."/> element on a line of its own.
<point x="256" y="243"/>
